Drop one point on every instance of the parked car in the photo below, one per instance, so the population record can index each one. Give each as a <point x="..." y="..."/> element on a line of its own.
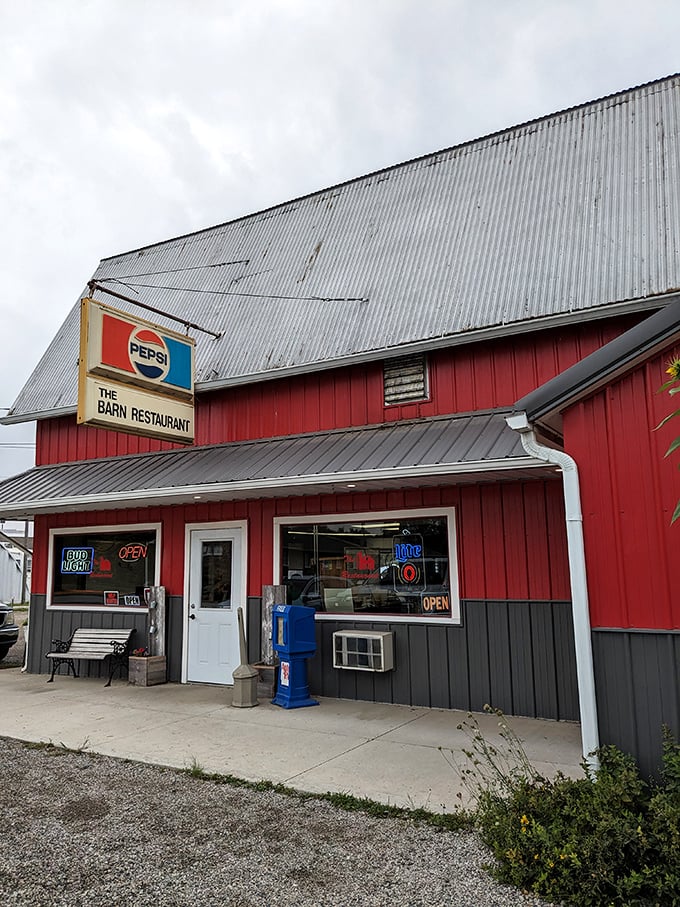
<point x="9" y="632"/>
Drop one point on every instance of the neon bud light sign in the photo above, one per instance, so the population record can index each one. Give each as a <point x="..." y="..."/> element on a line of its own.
<point x="77" y="560"/>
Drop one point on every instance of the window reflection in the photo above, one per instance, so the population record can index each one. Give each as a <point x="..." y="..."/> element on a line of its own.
<point x="386" y="566"/>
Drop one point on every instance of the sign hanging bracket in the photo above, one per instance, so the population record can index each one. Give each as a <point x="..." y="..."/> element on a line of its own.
<point x="94" y="285"/>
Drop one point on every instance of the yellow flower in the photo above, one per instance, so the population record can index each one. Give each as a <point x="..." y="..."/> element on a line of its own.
<point x="674" y="368"/>
<point x="524" y="821"/>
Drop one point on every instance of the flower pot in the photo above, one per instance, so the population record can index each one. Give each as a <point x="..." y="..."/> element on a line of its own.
<point x="147" y="671"/>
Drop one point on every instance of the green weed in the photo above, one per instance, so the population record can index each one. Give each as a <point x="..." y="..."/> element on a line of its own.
<point x="195" y="769"/>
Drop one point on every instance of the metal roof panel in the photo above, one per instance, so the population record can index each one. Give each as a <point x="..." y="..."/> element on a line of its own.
<point x="567" y="215"/>
<point x="441" y="446"/>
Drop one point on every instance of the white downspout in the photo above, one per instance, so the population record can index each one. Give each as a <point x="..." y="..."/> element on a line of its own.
<point x="585" y="674"/>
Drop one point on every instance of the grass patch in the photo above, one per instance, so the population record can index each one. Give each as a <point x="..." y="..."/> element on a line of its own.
<point x="195" y="769"/>
<point x="460" y="820"/>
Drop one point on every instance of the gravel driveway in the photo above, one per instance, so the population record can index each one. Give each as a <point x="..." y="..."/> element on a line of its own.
<point x="82" y="829"/>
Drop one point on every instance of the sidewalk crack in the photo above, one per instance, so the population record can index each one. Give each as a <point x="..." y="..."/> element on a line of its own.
<point x="351" y="749"/>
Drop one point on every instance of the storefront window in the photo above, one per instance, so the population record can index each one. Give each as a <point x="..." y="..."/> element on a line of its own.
<point x="98" y="568"/>
<point x="384" y="566"/>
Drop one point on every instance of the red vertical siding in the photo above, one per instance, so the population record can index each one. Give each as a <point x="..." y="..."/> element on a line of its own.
<point x="515" y="546"/>
<point x="62" y="440"/>
<point x="483" y="375"/>
<point x="497" y="529"/>
<point x="629" y="490"/>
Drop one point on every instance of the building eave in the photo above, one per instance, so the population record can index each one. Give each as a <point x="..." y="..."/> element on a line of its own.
<point x="432" y="344"/>
<point x="342" y="482"/>
<point x="602" y="367"/>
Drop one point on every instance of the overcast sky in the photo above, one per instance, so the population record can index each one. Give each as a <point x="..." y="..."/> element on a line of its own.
<point x="125" y="122"/>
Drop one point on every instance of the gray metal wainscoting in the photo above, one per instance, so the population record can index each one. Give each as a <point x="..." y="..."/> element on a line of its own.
<point x="637" y="682"/>
<point x="59" y="624"/>
<point x="48" y="625"/>
<point x="515" y="655"/>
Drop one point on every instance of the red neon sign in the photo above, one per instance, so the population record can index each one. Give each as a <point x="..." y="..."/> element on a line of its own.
<point x="133" y="552"/>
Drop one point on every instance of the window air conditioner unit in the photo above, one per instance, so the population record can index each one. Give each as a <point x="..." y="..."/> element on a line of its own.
<point x="368" y="651"/>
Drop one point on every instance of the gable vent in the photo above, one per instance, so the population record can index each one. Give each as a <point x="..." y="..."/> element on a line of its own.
<point x="405" y="379"/>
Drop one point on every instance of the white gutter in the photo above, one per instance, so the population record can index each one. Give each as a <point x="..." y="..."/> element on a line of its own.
<point x="585" y="674"/>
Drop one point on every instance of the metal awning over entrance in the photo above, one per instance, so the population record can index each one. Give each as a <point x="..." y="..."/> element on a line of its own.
<point x="406" y="454"/>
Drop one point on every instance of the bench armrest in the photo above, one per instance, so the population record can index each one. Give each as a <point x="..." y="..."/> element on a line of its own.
<point x="120" y="648"/>
<point x="60" y="645"/>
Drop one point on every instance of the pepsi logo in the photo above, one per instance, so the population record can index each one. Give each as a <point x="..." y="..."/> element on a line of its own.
<point x="149" y="354"/>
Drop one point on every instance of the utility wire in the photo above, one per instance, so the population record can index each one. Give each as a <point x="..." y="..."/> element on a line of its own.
<point x="153" y="286"/>
<point x="219" y="264"/>
<point x="94" y="285"/>
<point x="121" y="282"/>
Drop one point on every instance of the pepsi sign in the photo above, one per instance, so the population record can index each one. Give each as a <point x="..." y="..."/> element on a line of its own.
<point x="134" y="376"/>
<point x="149" y="354"/>
<point x="117" y="345"/>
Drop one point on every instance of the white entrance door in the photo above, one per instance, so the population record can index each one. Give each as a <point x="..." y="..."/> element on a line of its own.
<point x="216" y="589"/>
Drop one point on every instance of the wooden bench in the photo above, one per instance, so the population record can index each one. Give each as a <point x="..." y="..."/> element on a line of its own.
<point x="91" y="645"/>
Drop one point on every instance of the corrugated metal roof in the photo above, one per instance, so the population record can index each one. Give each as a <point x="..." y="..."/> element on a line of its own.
<point x="402" y="454"/>
<point x="566" y="216"/>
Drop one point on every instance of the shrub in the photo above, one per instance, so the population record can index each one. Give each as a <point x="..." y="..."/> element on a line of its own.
<point x="607" y="838"/>
<point x="663" y="871"/>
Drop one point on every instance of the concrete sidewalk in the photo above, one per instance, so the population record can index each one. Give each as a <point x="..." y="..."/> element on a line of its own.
<point x="391" y="753"/>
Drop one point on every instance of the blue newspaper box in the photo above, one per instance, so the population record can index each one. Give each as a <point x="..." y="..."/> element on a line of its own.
<point x="294" y="639"/>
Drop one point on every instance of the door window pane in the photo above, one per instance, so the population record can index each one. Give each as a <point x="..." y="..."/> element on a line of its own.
<point x="216" y="574"/>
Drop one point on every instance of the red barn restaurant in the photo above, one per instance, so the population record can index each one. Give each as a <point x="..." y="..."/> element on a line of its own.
<point x="423" y="401"/>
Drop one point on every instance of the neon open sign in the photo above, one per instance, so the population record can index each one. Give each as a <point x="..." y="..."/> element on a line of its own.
<point x="133" y="552"/>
